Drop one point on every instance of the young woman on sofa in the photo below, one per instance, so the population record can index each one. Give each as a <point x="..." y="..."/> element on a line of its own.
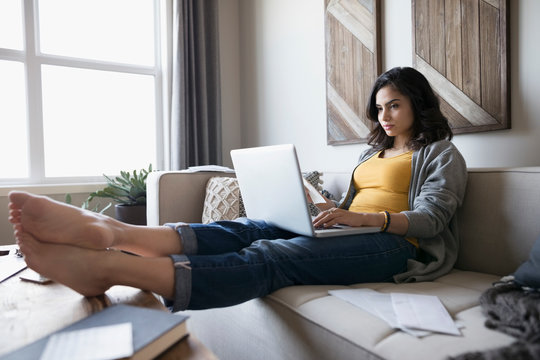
<point x="409" y="182"/>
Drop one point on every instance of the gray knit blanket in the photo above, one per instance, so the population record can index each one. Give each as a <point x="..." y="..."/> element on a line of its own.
<point x="513" y="310"/>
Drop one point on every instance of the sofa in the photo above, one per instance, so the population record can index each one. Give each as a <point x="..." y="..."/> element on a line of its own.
<point x="498" y="224"/>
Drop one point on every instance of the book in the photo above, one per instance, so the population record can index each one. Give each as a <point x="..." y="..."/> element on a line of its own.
<point x="154" y="331"/>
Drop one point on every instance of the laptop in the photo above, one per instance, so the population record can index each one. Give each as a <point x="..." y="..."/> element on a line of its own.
<point x="272" y="189"/>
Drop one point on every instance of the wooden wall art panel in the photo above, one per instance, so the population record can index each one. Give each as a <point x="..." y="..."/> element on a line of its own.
<point x="461" y="46"/>
<point x="352" y="65"/>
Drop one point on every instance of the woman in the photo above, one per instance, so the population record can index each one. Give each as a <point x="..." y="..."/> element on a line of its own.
<point x="410" y="183"/>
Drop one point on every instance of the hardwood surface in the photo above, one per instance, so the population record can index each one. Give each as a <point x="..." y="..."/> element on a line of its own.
<point x="30" y="311"/>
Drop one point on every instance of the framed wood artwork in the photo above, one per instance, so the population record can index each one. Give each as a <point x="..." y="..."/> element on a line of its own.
<point x="461" y="46"/>
<point x="352" y="65"/>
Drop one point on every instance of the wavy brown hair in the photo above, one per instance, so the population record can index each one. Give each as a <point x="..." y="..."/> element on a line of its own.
<point x="429" y="124"/>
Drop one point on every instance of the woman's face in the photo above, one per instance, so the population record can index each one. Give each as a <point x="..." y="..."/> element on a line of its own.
<point x="395" y="114"/>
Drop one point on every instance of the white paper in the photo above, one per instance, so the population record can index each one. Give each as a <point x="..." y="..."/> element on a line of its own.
<point x="424" y="312"/>
<point x="316" y="196"/>
<point x="32" y="276"/>
<point x="97" y="343"/>
<point x="377" y="304"/>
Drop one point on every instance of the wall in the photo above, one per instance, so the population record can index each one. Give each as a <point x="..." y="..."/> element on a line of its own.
<point x="283" y="82"/>
<point x="229" y="30"/>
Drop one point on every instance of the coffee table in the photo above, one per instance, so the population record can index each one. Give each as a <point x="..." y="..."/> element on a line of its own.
<point x="30" y="311"/>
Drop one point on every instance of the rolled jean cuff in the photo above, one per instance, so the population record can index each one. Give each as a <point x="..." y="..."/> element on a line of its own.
<point x="182" y="282"/>
<point x="187" y="235"/>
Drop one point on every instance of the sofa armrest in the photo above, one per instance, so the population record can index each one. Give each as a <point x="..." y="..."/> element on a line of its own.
<point x="173" y="196"/>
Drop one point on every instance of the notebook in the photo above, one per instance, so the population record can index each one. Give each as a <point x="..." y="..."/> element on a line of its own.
<point x="153" y="331"/>
<point x="272" y="189"/>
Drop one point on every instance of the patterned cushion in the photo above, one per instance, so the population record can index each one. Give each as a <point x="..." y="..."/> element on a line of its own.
<point x="314" y="178"/>
<point x="223" y="200"/>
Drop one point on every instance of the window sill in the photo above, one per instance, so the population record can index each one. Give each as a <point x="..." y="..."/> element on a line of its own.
<point x="51" y="189"/>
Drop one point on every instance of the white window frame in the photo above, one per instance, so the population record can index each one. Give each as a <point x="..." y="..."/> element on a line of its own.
<point x="33" y="60"/>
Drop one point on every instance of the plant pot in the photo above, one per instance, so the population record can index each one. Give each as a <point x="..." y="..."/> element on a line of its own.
<point x="131" y="214"/>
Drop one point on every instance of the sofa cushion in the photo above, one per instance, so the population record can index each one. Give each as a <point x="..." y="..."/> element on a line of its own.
<point x="459" y="291"/>
<point x="476" y="337"/>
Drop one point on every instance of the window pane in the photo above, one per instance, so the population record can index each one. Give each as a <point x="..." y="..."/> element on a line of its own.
<point x="11" y="24"/>
<point x="108" y="30"/>
<point x="97" y="122"/>
<point x="13" y="128"/>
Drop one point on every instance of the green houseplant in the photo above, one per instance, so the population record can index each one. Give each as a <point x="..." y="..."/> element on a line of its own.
<point x="128" y="191"/>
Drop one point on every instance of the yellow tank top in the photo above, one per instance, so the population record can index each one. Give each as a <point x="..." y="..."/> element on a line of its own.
<point x="383" y="184"/>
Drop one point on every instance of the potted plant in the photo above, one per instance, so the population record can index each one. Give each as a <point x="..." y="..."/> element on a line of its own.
<point x="129" y="192"/>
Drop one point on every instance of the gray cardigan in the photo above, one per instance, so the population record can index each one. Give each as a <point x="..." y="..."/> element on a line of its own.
<point x="438" y="181"/>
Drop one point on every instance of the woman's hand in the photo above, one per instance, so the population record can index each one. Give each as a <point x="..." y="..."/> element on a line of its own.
<point x="334" y="216"/>
<point x="328" y="218"/>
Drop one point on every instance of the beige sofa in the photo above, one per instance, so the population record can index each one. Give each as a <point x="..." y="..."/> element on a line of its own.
<point x="499" y="222"/>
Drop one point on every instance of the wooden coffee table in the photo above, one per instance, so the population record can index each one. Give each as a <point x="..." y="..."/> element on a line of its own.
<point x="30" y="311"/>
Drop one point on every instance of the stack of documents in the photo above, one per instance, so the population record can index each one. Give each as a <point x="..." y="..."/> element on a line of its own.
<point x="418" y="315"/>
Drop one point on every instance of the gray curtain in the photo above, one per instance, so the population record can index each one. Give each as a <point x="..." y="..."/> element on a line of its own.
<point x="196" y="104"/>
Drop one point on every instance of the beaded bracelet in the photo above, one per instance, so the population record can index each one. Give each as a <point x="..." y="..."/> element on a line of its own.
<point x="386" y="221"/>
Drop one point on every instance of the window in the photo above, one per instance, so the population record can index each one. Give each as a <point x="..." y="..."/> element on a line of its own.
<point x="80" y="89"/>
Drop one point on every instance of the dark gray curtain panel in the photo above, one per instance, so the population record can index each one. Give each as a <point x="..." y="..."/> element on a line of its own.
<point x="196" y="103"/>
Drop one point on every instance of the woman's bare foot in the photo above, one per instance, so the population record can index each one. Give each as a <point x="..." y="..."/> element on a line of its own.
<point x="55" y="222"/>
<point x="81" y="269"/>
<point x="91" y="272"/>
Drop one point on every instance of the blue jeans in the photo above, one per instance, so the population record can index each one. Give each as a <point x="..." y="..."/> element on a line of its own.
<point x="229" y="262"/>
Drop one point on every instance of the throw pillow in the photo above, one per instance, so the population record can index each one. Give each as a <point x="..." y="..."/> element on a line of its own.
<point x="222" y="200"/>
<point x="528" y="274"/>
<point x="314" y="178"/>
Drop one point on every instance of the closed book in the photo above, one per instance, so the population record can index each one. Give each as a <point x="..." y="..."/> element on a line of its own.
<point x="154" y="331"/>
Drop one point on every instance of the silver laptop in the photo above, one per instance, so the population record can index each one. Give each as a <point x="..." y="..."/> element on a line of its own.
<point x="272" y="190"/>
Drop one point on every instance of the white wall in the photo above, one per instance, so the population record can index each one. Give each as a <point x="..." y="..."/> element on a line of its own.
<point x="283" y="98"/>
<point x="229" y="30"/>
